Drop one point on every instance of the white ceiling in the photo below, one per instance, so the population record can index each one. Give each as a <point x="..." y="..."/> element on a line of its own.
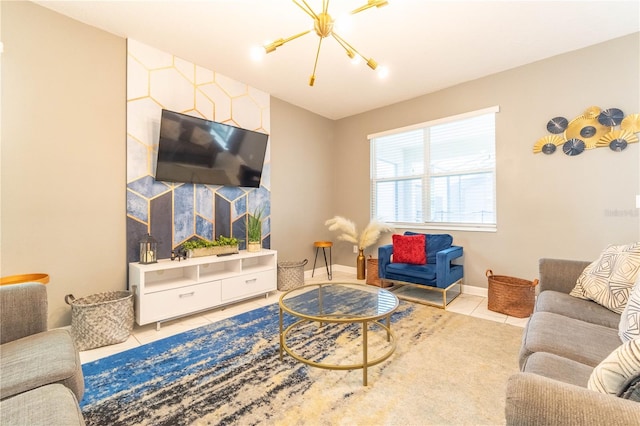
<point x="426" y="45"/>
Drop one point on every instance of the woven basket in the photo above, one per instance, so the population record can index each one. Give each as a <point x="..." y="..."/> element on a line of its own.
<point x="511" y="296"/>
<point x="373" y="278"/>
<point x="290" y="275"/>
<point x="101" y="319"/>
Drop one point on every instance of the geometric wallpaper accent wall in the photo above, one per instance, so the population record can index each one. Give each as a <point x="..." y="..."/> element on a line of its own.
<point x="174" y="213"/>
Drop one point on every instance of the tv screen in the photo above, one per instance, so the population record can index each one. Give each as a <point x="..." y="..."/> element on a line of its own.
<point x="196" y="150"/>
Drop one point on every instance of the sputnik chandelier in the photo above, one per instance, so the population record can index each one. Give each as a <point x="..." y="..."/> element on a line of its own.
<point x="323" y="25"/>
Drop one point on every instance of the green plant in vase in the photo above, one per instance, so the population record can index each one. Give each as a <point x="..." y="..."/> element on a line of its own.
<point x="254" y="230"/>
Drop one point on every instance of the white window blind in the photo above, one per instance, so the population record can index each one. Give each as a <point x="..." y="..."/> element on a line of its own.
<point x="437" y="173"/>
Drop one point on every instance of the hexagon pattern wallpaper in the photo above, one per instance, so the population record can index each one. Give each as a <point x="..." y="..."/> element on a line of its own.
<point x="176" y="212"/>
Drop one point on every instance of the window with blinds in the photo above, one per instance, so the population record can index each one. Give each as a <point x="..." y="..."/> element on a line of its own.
<point x="437" y="173"/>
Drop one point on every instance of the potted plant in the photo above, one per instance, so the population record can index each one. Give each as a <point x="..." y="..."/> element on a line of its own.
<point x="254" y="231"/>
<point x="203" y="247"/>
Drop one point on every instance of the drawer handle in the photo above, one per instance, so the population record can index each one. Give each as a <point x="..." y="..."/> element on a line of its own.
<point x="186" y="294"/>
<point x="252" y="280"/>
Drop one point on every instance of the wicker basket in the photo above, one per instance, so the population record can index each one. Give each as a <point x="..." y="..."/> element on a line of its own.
<point x="373" y="278"/>
<point x="511" y="296"/>
<point x="290" y="275"/>
<point x="101" y="319"/>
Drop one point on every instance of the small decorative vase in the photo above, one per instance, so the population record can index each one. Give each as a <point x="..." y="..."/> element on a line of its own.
<point x="360" y="265"/>
<point x="254" y="247"/>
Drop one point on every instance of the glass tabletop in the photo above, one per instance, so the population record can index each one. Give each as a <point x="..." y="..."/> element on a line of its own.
<point x="339" y="302"/>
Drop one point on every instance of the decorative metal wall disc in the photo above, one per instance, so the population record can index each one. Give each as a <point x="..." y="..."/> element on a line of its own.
<point x="548" y="144"/>
<point x="557" y="125"/>
<point x="573" y="147"/>
<point x="588" y="130"/>
<point x="592" y="112"/>
<point x="617" y="140"/>
<point x="611" y="117"/>
<point x="631" y="123"/>
<point x="593" y="129"/>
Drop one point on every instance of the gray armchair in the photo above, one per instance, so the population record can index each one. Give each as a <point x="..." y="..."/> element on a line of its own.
<point x="40" y="368"/>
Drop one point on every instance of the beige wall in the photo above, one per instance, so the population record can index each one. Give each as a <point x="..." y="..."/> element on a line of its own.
<point x="548" y="206"/>
<point x="302" y="176"/>
<point x="63" y="154"/>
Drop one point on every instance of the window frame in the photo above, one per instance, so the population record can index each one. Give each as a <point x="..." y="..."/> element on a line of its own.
<point x="426" y="175"/>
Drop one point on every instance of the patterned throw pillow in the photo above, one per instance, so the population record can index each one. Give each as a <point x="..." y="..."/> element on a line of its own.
<point x="616" y="369"/>
<point x="608" y="280"/>
<point x="409" y="249"/>
<point x="629" y="327"/>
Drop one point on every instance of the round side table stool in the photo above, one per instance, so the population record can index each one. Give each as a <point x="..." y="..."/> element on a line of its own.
<point x="323" y="245"/>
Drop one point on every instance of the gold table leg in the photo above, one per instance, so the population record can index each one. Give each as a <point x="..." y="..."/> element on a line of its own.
<point x="281" y="335"/>
<point x="365" y="343"/>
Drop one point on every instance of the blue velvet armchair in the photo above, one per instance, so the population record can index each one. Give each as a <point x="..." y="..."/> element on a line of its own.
<point x="439" y="274"/>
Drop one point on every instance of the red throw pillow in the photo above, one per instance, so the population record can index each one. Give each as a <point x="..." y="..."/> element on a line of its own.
<point x="409" y="249"/>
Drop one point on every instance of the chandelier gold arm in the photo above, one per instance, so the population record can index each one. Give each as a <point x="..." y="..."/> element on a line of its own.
<point x="279" y="42"/>
<point x="307" y="9"/>
<point x="312" y="79"/>
<point x="370" y="4"/>
<point x="371" y="63"/>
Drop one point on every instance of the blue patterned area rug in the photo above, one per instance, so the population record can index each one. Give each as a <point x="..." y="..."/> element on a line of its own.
<point x="447" y="369"/>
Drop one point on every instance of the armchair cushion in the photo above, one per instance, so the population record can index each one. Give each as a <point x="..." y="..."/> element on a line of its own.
<point x="409" y="249"/>
<point x="38" y="360"/>
<point x="23" y="310"/>
<point x="434" y="243"/>
<point x="48" y="405"/>
<point x="422" y="273"/>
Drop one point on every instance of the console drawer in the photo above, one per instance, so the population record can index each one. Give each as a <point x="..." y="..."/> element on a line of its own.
<point x="248" y="285"/>
<point x="180" y="301"/>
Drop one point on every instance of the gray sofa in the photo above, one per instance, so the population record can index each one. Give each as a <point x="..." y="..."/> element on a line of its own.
<point x="41" y="373"/>
<point x="565" y="339"/>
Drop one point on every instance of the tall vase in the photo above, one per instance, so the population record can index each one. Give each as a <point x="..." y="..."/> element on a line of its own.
<point x="360" y="264"/>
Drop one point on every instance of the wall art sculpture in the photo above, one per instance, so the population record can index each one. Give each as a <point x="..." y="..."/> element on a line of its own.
<point x="595" y="128"/>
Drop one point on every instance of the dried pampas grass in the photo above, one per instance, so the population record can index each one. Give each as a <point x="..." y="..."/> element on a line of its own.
<point x="372" y="232"/>
<point x="347" y="227"/>
<point x="350" y="234"/>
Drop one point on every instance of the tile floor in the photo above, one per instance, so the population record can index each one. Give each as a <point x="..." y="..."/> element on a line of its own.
<point x="466" y="304"/>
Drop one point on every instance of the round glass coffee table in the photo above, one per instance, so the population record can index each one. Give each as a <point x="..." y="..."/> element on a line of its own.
<point x="339" y="303"/>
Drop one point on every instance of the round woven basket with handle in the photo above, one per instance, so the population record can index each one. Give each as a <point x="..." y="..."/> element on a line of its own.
<point x="101" y="319"/>
<point x="290" y="275"/>
<point x="511" y="296"/>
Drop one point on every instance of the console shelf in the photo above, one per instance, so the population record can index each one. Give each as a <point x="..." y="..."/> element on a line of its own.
<point x="171" y="289"/>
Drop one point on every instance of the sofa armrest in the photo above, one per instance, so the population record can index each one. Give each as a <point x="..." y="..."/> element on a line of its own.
<point x="559" y="274"/>
<point x="443" y="265"/>
<point x="23" y="310"/>
<point x="384" y="258"/>
<point x="536" y="400"/>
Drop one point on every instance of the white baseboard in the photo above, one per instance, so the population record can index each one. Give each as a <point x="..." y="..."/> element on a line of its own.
<point x="466" y="289"/>
<point x="475" y="291"/>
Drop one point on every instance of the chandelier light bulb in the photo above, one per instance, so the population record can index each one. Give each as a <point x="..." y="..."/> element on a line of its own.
<point x="257" y="53"/>
<point x="382" y="71"/>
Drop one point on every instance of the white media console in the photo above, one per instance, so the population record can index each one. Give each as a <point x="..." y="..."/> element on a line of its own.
<point x="171" y="289"/>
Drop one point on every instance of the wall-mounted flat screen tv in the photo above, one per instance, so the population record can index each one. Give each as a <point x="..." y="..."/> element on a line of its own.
<point x="196" y="150"/>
